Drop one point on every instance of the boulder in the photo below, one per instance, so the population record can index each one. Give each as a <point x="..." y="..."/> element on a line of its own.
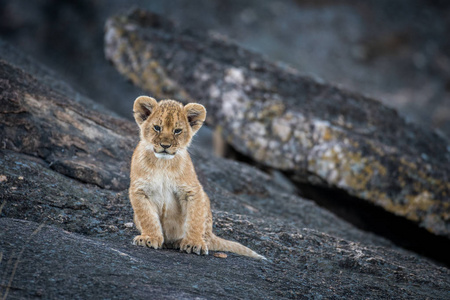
<point x="67" y="233"/>
<point x="314" y="132"/>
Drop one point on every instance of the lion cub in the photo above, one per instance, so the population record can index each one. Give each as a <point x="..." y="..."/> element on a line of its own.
<point x="170" y="206"/>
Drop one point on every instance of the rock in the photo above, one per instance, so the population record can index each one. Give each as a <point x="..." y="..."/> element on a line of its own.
<point x="53" y="263"/>
<point x="68" y="237"/>
<point x="315" y="132"/>
<point x="69" y="262"/>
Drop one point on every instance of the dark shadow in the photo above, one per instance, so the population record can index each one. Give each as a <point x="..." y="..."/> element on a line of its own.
<point x="368" y="217"/>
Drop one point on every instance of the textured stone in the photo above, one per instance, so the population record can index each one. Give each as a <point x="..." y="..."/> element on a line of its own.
<point x="48" y="262"/>
<point x="35" y="115"/>
<point x="318" y="133"/>
<point x="67" y="237"/>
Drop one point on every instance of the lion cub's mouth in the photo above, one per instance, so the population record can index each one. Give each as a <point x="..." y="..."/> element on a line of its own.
<point x="164" y="154"/>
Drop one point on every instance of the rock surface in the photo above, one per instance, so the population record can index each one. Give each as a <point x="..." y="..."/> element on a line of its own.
<point x="87" y="251"/>
<point x="313" y="131"/>
<point x="81" y="149"/>
<point x="53" y="263"/>
<point x="64" y="235"/>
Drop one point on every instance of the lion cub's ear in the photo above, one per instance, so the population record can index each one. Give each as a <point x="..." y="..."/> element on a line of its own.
<point x="143" y="108"/>
<point x="196" y="114"/>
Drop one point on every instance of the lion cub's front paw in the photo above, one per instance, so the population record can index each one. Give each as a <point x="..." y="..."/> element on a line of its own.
<point x="149" y="241"/>
<point x="196" y="246"/>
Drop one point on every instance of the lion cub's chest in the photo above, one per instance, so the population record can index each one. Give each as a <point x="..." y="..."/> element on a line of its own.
<point x="160" y="189"/>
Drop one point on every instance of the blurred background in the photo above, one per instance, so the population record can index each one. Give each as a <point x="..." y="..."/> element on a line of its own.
<point x="395" y="51"/>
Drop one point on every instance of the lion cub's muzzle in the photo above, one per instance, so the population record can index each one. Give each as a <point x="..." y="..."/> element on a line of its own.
<point x="164" y="151"/>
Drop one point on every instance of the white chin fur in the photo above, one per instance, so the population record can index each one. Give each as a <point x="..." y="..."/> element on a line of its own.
<point x="164" y="155"/>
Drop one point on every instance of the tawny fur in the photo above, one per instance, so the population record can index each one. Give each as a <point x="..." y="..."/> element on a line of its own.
<point x="170" y="206"/>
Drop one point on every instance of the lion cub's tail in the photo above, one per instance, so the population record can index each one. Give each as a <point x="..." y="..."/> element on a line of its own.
<point x="218" y="244"/>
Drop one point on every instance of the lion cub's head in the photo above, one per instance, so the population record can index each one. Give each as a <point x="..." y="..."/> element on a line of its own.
<point x="167" y="127"/>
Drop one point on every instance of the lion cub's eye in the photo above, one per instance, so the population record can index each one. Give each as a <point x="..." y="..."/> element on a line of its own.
<point x="157" y="128"/>
<point x="177" y="131"/>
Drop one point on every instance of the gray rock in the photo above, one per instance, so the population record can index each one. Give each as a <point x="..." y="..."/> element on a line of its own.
<point x="69" y="236"/>
<point x="45" y="261"/>
<point x="87" y="251"/>
<point x="319" y="134"/>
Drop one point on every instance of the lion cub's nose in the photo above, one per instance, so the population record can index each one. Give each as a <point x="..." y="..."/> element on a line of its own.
<point x="165" y="146"/>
